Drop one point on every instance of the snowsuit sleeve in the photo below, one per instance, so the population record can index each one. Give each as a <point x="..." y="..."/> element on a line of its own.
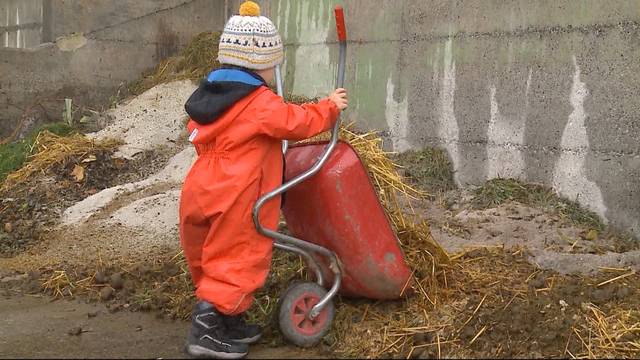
<point x="282" y="121"/>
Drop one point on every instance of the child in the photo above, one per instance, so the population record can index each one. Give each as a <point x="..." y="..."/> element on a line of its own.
<point x="237" y="126"/>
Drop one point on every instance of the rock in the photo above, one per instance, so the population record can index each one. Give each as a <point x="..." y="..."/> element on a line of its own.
<point x="538" y="282"/>
<point x="8" y="228"/>
<point x="75" y="331"/>
<point x="426" y="354"/>
<point x="106" y="293"/>
<point x="116" y="281"/>
<point x="129" y="285"/>
<point x="494" y="232"/>
<point x="468" y="333"/>
<point x="423" y="338"/>
<point x="100" y="278"/>
<point x="32" y="287"/>
<point x="92" y="314"/>
<point x="628" y="337"/>
<point x="601" y="296"/>
<point x="35" y="275"/>
<point x="623" y="292"/>
<point x="563" y="304"/>
<point x="114" y="308"/>
<point x="476" y="253"/>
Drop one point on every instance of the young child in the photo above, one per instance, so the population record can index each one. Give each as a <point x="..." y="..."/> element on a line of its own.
<point x="237" y="126"/>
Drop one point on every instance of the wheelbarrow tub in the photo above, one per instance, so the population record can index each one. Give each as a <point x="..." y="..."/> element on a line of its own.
<point x="339" y="209"/>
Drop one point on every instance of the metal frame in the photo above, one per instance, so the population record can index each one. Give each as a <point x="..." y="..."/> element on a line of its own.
<point x="280" y="90"/>
<point x="290" y="243"/>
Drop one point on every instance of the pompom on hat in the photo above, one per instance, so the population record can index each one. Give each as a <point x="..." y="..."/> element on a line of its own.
<point x="250" y="40"/>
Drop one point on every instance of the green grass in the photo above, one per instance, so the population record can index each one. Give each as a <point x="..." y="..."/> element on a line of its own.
<point x="430" y="168"/>
<point x="13" y="155"/>
<point x="499" y="191"/>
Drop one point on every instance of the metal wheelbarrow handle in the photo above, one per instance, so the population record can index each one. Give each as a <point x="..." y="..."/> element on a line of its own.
<point x="280" y="91"/>
<point x="291" y="243"/>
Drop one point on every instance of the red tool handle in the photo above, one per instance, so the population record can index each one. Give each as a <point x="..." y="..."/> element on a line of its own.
<point x="342" y="29"/>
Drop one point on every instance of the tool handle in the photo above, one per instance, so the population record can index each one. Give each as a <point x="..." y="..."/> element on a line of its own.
<point x="342" y="60"/>
<point x="340" y="26"/>
<point x="280" y="90"/>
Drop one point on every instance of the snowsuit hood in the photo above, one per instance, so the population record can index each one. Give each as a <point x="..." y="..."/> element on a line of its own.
<point x="222" y="89"/>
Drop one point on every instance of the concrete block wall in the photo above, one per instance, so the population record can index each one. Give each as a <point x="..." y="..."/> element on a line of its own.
<point x="20" y="23"/>
<point x="544" y="91"/>
<point x="96" y="47"/>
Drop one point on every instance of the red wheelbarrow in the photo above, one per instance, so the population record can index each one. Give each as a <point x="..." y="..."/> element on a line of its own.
<point x="348" y="244"/>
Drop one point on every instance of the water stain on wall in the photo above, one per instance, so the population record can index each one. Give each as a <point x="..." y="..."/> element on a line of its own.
<point x="397" y="117"/>
<point x="505" y="140"/>
<point x="569" y="177"/>
<point x="448" y="131"/>
<point x="166" y="41"/>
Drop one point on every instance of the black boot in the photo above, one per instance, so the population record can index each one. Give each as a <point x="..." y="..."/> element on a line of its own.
<point x="209" y="338"/>
<point x="239" y="331"/>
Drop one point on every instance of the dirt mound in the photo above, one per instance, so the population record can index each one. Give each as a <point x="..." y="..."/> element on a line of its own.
<point x="153" y="119"/>
<point x="30" y="209"/>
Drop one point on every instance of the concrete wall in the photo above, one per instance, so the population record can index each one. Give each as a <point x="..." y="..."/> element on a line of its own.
<point x="20" y="23"/>
<point x="544" y="91"/>
<point x="113" y="43"/>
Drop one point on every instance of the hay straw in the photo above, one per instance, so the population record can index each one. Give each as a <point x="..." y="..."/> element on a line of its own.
<point x="612" y="335"/>
<point x="423" y="254"/>
<point x="415" y="237"/>
<point x="193" y="63"/>
<point x="51" y="149"/>
<point x="478" y="335"/>
<point x="616" y="278"/>
<point x="59" y="284"/>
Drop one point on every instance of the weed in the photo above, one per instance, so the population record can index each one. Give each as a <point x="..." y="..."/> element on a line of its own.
<point x="430" y="168"/>
<point x="499" y="191"/>
<point x="13" y="155"/>
<point x="194" y="63"/>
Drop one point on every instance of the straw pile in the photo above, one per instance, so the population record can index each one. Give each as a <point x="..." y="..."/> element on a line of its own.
<point x="424" y="255"/>
<point x="50" y="149"/>
<point x="415" y="238"/>
<point x="194" y="63"/>
<point x="421" y="249"/>
<point x="610" y="336"/>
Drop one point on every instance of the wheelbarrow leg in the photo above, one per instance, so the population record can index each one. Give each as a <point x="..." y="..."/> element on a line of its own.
<point x="302" y="247"/>
<point x="313" y="264"/>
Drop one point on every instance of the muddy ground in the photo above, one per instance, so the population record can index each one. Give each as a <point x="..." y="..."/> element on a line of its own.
<point x="35" y="327"/>
<point x="495" y="299"/>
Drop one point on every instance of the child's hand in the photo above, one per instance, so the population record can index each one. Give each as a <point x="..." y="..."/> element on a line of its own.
<point x="339" y="97"/>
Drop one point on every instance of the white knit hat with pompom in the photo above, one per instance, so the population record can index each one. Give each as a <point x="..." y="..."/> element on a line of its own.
<point x="250" y="40"/>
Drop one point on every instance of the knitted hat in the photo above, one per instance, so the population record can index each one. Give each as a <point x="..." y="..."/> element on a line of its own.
<point x="250" y="40"/>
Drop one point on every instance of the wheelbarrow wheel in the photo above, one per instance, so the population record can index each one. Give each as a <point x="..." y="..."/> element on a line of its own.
<point x="295" y="305"/>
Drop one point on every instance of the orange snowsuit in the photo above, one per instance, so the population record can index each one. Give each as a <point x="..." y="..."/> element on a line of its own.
<point x="240" y="159"/>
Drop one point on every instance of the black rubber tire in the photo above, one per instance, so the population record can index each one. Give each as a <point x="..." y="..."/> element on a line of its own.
<point x="288" y="328"/>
